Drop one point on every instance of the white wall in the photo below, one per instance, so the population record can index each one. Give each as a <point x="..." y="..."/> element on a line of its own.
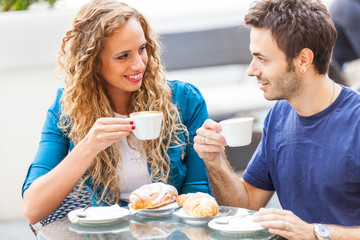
<point x="28" y="49"/>
<point x="24" y="97"/>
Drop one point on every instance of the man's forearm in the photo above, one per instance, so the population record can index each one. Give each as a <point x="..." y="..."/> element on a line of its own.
<point x="344" y="233"/>
<point x="225" y="184"/>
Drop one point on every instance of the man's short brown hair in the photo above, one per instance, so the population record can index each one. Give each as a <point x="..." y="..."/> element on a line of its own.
<point x="297" y="24"/>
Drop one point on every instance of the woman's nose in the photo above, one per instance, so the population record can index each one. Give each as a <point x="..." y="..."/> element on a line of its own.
<point x="138" y="63"/>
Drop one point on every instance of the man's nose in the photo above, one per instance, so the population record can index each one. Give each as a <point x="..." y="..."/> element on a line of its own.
<point x="253" y="70"/>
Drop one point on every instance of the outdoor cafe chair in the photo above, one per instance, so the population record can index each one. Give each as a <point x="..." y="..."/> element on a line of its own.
<point x="74" y="200"/>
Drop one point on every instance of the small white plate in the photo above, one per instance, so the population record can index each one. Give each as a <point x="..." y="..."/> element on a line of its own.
<point x="236" y="225"/>
<point x="112" y="228"/>
<point x="99" y="215"/>
<point x="223" y="211"/>
<point x="155" y="212"/>
<point x="258" y="235"/>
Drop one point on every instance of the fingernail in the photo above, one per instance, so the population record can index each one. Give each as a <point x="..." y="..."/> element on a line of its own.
<point x="131" y="122"/>
<point x="133" y="127"/>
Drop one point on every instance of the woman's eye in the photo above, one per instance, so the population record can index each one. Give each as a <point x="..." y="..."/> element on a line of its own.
<point x="143" y="48"/>
<point x="122" y="57"/>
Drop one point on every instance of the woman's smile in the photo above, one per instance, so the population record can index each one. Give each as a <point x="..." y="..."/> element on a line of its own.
<point x="134" y="77"/>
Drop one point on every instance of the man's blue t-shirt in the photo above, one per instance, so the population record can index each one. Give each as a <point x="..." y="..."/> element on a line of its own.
<point x="313" y="163"/>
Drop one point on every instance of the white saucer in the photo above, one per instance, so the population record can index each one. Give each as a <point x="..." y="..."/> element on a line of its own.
<point x="99" y="215"/>
<point x="113" y="228"/>
<point x="223" y="211"/>
<point x="155" y="212"/>
<point x="236" y="225"/>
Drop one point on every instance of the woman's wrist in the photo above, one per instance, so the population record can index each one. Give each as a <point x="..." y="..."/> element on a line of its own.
<point x="86" y="148"/>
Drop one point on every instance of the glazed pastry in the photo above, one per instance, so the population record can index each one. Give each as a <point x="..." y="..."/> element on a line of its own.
<point x="152" y="195"/>
<point x="198" y="204"/>
<point x="181" y="198"/>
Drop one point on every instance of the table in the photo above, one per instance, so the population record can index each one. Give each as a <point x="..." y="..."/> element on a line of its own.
<point x="138" y="227"/>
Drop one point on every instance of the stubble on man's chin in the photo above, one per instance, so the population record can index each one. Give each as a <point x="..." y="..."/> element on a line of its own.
<point x="269" y="95"/>
<point x="272" y="98"/>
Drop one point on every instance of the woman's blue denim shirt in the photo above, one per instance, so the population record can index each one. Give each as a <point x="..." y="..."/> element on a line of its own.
<point x="187" y="175"/>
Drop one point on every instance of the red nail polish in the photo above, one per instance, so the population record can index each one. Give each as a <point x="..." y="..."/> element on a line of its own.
<point x="131" y="122"/>
<point x="133" y="127"/>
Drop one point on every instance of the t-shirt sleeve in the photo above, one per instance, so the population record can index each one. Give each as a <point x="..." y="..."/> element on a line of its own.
<point x="53" y="146"/>
<point x="257" y="172"/>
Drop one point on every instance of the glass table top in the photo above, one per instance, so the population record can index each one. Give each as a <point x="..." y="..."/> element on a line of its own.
<point x="139" y="226"/>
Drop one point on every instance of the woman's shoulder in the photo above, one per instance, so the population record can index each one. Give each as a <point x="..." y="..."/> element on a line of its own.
<point x="59" y="94"/>
<point x="183" y="88"/>
<point x="55" y="107"/>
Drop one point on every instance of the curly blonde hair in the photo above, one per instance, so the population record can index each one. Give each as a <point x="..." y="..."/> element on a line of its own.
<point x="84" y="98"/>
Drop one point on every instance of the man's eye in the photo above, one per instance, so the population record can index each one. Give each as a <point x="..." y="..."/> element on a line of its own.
<point x="261" y="60"/>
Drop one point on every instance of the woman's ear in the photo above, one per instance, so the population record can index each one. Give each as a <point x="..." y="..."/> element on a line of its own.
<point x="304" y="60"/>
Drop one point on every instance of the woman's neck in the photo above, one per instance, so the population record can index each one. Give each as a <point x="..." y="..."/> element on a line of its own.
<point x="120" y="102"/>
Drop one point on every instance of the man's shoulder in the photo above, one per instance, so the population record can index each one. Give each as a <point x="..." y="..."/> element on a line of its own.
<point x="350" y="99"/>
<point x="278" y="114"/>
<point x="281" y="106"/>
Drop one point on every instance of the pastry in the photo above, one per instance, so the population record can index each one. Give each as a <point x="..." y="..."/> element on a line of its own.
<point x="198" y="204"/>
<point x="183" y="197"/>
<point x="152" y="195"/>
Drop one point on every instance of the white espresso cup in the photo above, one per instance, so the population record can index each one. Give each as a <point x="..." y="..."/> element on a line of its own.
<point x="147" y="124"/>
<point x="237" y="131"/>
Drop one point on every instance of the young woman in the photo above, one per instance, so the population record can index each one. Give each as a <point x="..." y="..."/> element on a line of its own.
<point x="112" y="65"/>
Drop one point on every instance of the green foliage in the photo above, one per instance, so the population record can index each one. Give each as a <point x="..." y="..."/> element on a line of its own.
<point x="15" y="5"/>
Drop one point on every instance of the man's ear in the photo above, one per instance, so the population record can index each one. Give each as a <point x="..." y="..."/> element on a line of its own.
<point x="304" y="60"/>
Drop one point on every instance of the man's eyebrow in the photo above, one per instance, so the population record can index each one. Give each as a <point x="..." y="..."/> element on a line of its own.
<point x="257" y="54"/>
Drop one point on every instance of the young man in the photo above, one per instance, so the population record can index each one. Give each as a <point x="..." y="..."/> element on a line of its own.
<point x="309" y="153"/>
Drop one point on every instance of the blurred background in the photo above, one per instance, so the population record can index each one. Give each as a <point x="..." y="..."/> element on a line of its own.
<point x="194" y="34"/>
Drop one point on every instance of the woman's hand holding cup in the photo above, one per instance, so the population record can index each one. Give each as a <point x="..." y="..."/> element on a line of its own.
<point x="147" y="124"/>
<point x="107" y="131"/>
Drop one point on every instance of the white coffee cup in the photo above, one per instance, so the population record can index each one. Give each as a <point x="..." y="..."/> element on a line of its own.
<point x="147" y="124"/>
<point x="237" y="131"/>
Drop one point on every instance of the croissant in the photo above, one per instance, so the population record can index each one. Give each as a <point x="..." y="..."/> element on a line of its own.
<point x="152" y="195"/>
<point x="198" y="204"/>
<point x="181" y="199"/>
